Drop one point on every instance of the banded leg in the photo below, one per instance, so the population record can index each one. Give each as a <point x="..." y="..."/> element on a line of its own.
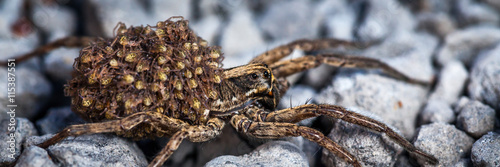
<point x="199" y="133"/>
<point x="160" y="122"/>
<point x="280" y="52"/>
<point x="275" y="130"/>
<point x="292" y="66"/>
<point x="312" y="110"/>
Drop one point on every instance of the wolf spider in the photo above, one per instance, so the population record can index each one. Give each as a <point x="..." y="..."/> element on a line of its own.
<point x="247" y="97"/>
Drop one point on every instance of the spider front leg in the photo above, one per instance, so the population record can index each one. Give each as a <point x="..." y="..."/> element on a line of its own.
<point x="198" y="133"/>
<point x="292" y="66"/>
<point x="299" y="113"/>
<point x="276" y="130"/>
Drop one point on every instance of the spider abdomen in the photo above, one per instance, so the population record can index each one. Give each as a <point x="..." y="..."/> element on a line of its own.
<point x="165" y="68"/>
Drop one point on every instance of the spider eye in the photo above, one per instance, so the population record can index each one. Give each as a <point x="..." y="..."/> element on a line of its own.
<point x="266" y="74"/>
<point x="254" y="76"/>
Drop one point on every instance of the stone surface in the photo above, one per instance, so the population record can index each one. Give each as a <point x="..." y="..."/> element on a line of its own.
<point x="13" y="134"/>
<point x="9" y="13"/>
<point x="275" y="153"/>
<point x="35" y="157"/>
<point x="476" y="119"/>
<point x="470" y="12"/>
<point x="31" y="93"/>
<point x="57" y="119"/>
<point x="408" y="52"/>
<point x="396" y="102"/>
<point x="282" y="21"/>
<point x="486" y="150"/>
<point x="451" y="82"/>
<point x="93" y="150"/>
<point x="339" y="19"/>
<point x="241" y="34"/>
<point x="296" y="96"/>
<point x="13" y="47"/>
<point x="59" y="63"/>
<point x="448" y="144"/>
<point x="465" y="44"/>
<point x="54" y="19"/>
<point x="437" y="111"/>
<point x="380" y="20"/>
<point x="485" y="78"/>
<point x="439" y="24"/>
<point x="371" y="149"/>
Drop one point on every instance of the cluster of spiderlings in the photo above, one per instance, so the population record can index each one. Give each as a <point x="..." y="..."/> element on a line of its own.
<point x="165" y="68"/>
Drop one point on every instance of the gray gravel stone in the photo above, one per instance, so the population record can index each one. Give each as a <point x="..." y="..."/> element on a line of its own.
<point x="59" y="63"/>
<point x="57" y="119"/>
<point x="464" y="45"/>
<point x="380" y="20"/>
<point x="35" y="157"/>
<point x="93" y="150"/>
<point x="16" y="46"/>
<point x="338" y="19"/>
<point x="493" y="3"/>
<point x="448" y="144"/>
<point x="469" y="12"/>
<point x="31" y="93"/>
<point x="450" y="83"/>
<point x="476" y="119"/>
<point x="485" y="78"/>
<point x="9" y="13"/>
<point x="408" y="52"/>
<point x="55" y="19"/>
<point x="396" y="102"/>
<point x="435" y="6"/>
<point x="371" y="149"/>
<point x="437" y="111"/>
<point x="275" y="153"/>
<point x="13" y="134"/>
<point x="162" y="10"/>
<point x="241" y="34"/>
<point x="486" y="151"/>
<point x="282" y="21"/>
<point x="439" y="24"/>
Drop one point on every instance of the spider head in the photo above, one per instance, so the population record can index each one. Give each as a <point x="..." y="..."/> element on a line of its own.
<point x="254" y="82"/>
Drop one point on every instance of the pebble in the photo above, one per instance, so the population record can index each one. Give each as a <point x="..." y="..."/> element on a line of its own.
<point x="10" y="12"/>
<point x="339" y="19"/>
<point x="93" y="150"/>
<point x="35" y="157"/>
<point x="451" y="82"/>
<point x="370" y="148"/>
<point x="59" y="63"/>
<point x="439" y="24"/>
<point x="476" y="118"/>
<point x="54" y="19"/>
<point x="470" y="12"/>
<point x="437" y="111"/>
<point x="464" y="44"/>
<point x="13" y="134"/>
<point x="486" y="150"/>
<point x="485" y="78"/>
<point x="445" y="142"/>
<point x="396" y="102"/>
<point x="57" y="119"/>
<point x="32" y="91"/>
<point x="272" y="154"/>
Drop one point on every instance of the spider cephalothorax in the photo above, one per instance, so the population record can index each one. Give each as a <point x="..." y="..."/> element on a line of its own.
<point x="164" y="80"/>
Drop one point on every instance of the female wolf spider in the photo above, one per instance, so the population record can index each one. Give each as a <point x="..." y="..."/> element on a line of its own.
<point x="164" y="80"/>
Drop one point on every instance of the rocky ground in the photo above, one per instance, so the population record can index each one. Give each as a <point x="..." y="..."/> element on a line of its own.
<point x="453" y="44"/>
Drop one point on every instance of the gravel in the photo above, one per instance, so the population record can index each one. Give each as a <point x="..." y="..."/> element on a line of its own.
<point x="448" y="144"/>
<point x="476" y="118"/>
<point x="13" y="134"/>
<point x="485" y="78"/>
<point x="276" y="154"/>
<point x="35" y="157"/>
<point x="486" y="150"/>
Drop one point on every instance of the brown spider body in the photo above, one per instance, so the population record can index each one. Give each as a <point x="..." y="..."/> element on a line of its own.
<point x="165" y="81"/>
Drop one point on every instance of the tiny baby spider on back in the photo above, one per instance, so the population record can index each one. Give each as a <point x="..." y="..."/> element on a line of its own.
<point x="164" y="80"/>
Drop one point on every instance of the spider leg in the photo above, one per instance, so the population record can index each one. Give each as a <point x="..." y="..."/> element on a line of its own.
<point x="275" y="130"/>
<point x="127" y="123"/>
<point x="280" y="52"/>
<point x="63" y="42"/>
<point x="312" y="110"/>
<point x="292" y="66"/>
<point x="198" y="133"/>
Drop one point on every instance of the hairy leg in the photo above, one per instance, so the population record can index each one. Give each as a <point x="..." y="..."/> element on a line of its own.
<point x="160" y="122"/>
<point x="198" y="133"/>
<point x="292" y="66"/>
<point x="312" y="110"/>
<point x="275" y="130"/>
<point x="280" y="52"/>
